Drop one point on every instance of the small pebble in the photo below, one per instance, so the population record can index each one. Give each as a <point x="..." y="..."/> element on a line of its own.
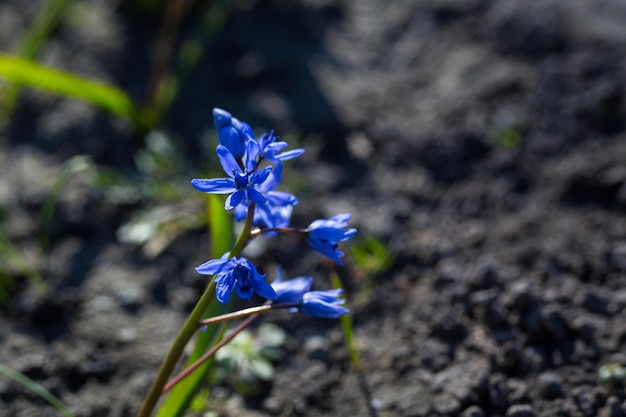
<point x="520" y="410"/>
<point x="473" y="411"/>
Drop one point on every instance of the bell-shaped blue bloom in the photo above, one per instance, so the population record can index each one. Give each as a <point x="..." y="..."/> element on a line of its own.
<point x="323" y="235"/>
<point x="232" y="133"/>
<point x="271" y="150"/>
<point x="241" y="183"/>
<point x="326" y="304"/>
<point x="238" y="274"/>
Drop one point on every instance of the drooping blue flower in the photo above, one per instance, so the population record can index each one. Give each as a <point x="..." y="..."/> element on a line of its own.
<point x="237" y="274"/>
<point x="277" y="211"/>
<point x="271" y="150"/>
<point x="323" y="235"/>
<point x="325" y="304"/>
<point x="232" y="133"/>
<point x="242" y="183"/>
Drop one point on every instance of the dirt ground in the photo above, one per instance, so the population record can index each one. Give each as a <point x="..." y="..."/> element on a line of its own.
<point x="482" y="141"/>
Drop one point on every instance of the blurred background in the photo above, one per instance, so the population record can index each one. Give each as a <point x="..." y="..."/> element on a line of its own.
<point x="479" y="145"/>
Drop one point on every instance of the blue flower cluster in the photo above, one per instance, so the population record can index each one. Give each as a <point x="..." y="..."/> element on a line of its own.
<point x="254" y="170"/>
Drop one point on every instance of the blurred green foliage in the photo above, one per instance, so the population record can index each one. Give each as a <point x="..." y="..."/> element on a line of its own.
<point x="23" y="71"/>
<point x="371" y="255"/>
<point x="37" y="389"/>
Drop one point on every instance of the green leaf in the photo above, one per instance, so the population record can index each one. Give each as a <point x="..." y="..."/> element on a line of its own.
<point x="37" y="389"/>
<point x="29" y="73"/>
<point x="34" y="39"/>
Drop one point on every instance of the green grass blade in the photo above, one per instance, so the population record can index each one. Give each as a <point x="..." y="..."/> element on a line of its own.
<point x="42" y="27"/>
<point x="36" y="388"/>
<point x="29" y="73"/>
<point x="33" y="40"/>
<point x="222" y="238"/>
<point x="348" y="331"/>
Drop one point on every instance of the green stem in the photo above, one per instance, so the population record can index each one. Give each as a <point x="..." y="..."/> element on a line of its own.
<point x="176" y="350"/>
<point x="190" y="326"/>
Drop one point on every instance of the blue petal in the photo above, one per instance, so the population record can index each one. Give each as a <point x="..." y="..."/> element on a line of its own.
<point x="272" y="149"/>
<point x="221" y="118"/>
<point x="241" y="211"/>
<point x="281" y="198"/>
<point x="214" y="185"/>
<point x="266" y="139"/>
<point x="229" y="164"/>
<point x="326" y="304"/>
<point x="223" y="287"/>
<point x="258" y="177"/>
<point x="292" y="291"/>
<point x="252" y="151"/>
<point x="333" y="234"/>
<point x="212" y="267"/>
<point x="243" y="290"/>
<point x="232" y="140"/>
<point x="341" y="220"/>
<point x="264" y="289"/>
<point x="285" y="156"/>
<point x="255" y="196"/>
<point x="234" y="199"/>
<point x="246" y="132"/>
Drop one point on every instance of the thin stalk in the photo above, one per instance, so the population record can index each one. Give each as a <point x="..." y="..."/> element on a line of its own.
<point x="244" y="313"/>
<point x="348" y="331"/>
<point x="190" y="326"/>
<point x="257" y="232"/>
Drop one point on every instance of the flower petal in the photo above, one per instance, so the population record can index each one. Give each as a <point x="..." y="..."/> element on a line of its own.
<point x="211" y="267"/>
<point x="291" y="291"/>
<point x="221" y="118"/>
<point x="214" y="185"/>
<point x="341" y="220"/>
<point x="223" y="287"/>
<point x="234" y="199"/>
<point x="258" y="177"/>
<point x="252" y="152"/>
<point x="285" y="156"/>
<point x="264" y="289"/>
<point x="281" y="198"/>
<point x="255" y="196"/>
<point x="326" y="304"/>
<point x="229" y="164"/>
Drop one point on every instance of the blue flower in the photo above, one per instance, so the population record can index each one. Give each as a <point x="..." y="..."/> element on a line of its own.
<point x="238" y="274"/>
<point x="270" y="148"/>
<point x="326" y="304"/>
<point x="323" y="235"/>
<point x="241" y="182"/>
<point x="232" y="133"/>
<point x="277" y="211"/>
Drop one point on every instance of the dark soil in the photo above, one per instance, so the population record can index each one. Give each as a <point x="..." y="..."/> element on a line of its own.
<point x="482" y="141"/>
